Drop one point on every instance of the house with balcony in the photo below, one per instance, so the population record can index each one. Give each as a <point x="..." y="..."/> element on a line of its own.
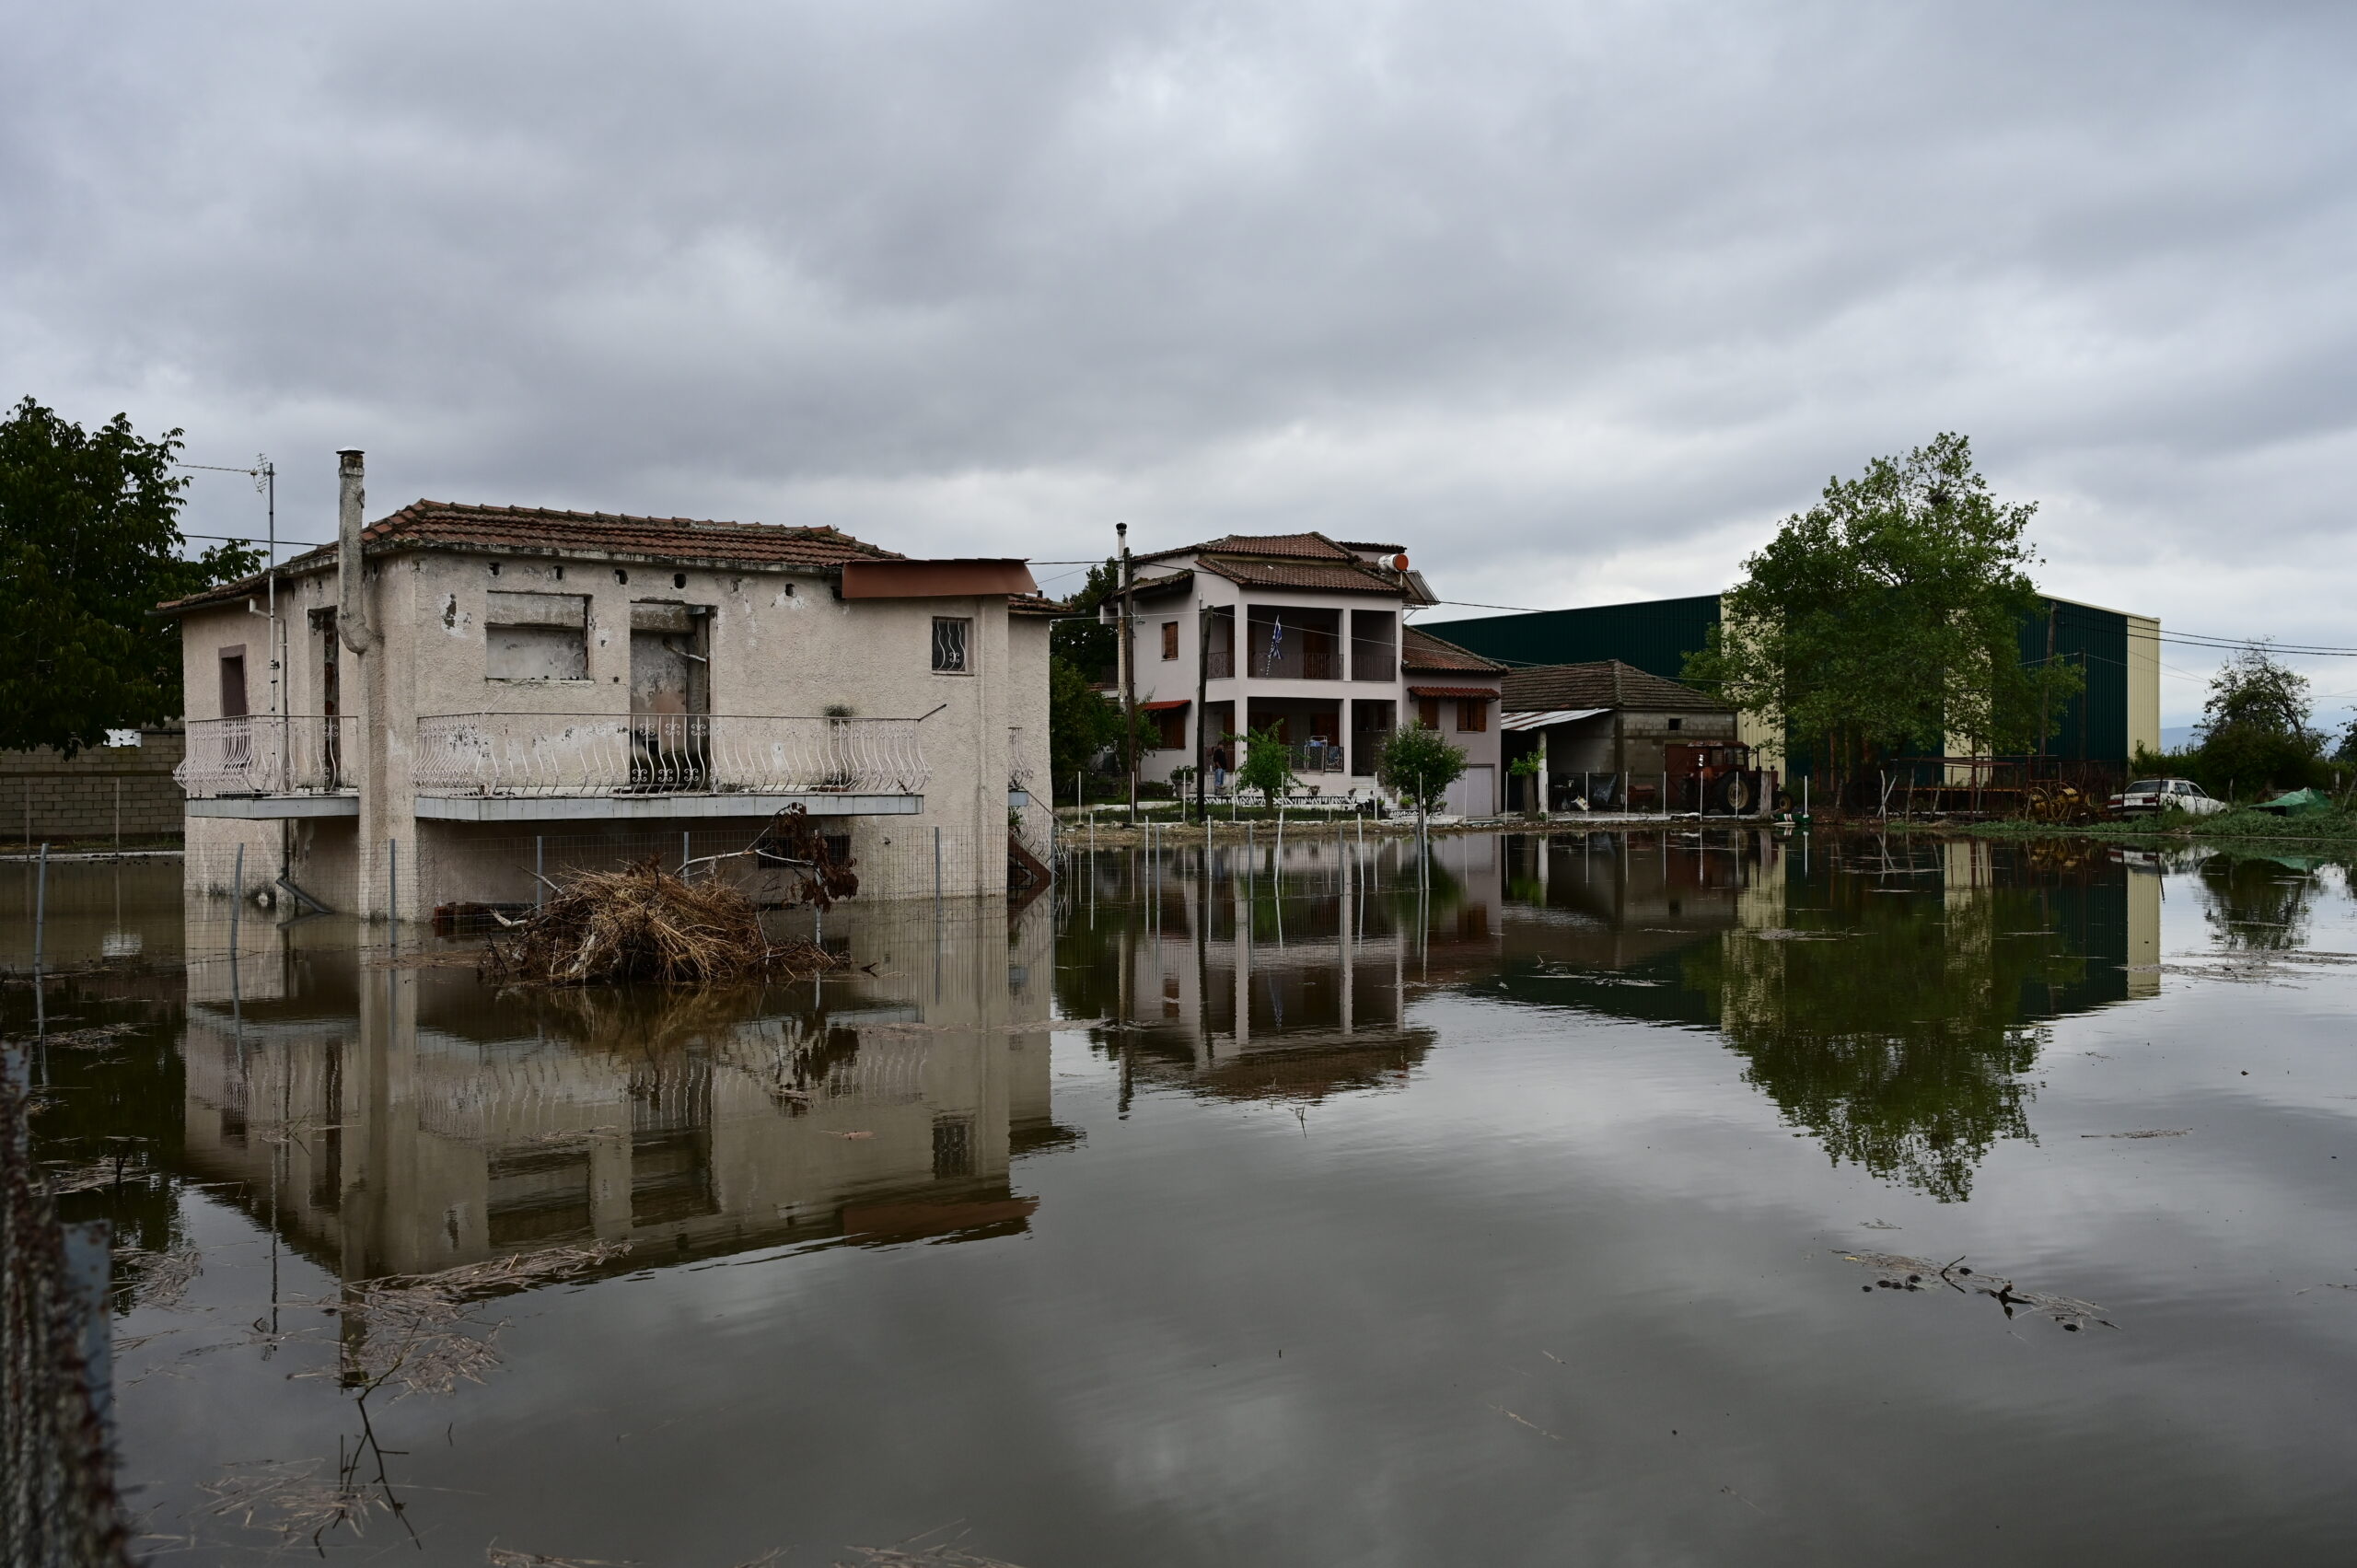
<point x="1307" y="637"/>
<point x="387" y="722"/>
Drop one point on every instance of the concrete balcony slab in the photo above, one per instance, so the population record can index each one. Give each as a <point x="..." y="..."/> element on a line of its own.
<point x="274" y="807"/>
<point x="642" y="807"/>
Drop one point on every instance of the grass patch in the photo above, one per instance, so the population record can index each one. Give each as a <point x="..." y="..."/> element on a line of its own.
<point x="2241" y="825"/>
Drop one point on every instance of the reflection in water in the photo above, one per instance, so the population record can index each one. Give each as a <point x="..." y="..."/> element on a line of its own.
<point x="1901" y="1039"/>
<point x="2256" y="903"/>
<point x="1889" y="999"/>
<point x="1527" y="1219"/>
<point x="395" y="1120"/>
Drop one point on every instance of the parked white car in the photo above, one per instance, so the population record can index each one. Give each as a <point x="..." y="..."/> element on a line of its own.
<point x="2164" y="795"/>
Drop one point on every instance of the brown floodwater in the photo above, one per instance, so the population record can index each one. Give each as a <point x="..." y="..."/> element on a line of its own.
<point x="1636" y="1198"/>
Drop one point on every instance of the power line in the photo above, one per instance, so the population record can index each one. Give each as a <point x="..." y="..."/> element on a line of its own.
<point x="245" y="539"/>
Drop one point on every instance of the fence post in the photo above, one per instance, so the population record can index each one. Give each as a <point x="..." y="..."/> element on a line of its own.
<point x="392" y="894"/>
<point x="936" y="869"/>
<point x="539" y="868"/>
<point x="683" y="851"/>
<point x="40" y="909"/>
<point x="237" y="900"/>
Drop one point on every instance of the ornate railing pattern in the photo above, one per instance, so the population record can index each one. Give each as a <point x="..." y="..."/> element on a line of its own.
<point x="666" y="754"/>
<point x="267" y="754"/>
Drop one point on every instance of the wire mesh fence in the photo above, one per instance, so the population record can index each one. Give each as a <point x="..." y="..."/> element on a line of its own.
<point x="58" y="1507"/>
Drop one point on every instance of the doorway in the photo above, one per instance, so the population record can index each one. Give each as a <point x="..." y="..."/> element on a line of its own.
<point x="670" y="696"/>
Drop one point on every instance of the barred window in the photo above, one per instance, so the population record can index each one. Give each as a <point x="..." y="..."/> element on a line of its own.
<point x="949" y="637"/>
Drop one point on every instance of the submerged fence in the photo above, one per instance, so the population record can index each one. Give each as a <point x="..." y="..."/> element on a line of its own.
<point x="894" y="859"/>
<point x="58" y="1507"/>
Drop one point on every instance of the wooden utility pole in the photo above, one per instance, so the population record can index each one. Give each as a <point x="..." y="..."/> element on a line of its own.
<point x="1129" y="664"/>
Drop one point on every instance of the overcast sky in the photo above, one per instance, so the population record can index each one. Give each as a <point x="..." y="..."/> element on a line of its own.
<point x="1573" y="300"/>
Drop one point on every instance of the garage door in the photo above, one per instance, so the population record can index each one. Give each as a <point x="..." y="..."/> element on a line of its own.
<point x="1475" y="795"/>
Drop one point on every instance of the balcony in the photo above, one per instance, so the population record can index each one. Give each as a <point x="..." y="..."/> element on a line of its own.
<point x="509" y="767"/>
<point x="268" y="765"/>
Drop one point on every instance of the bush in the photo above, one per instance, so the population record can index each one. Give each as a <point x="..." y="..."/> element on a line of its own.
<point x="1418" y="766"/>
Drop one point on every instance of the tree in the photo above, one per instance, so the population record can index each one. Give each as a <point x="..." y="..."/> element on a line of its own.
<point x="1080" y="721"/>
<point x="89" y="543"/>
<point x="1888" y="616"/>
<point x="1093" y="646"/>
<point x="2347" y="751"/>
<point x="1418" y="766"/>
<point x="2255" y="731"/>
<point x="1266" y="766"/>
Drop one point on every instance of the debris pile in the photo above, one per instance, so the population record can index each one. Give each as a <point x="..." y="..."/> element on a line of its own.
<point x="644" y="923"/>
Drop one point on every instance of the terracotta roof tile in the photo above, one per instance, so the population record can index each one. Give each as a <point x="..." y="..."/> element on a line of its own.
<point x="540" y="531"/>
<point x="1035" y="604"/>
<point x="1330" y="576"/>
<point x="1283" y="546"/>
<point x="1420" y="649"/>
<point x="1607" y="683"/>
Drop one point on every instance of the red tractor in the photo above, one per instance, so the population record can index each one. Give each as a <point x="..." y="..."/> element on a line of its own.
<point x="1716" y="779"/>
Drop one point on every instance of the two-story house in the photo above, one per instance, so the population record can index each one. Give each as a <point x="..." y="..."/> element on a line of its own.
<point x="1304" y="636"/>
<point x="388" y="721"/>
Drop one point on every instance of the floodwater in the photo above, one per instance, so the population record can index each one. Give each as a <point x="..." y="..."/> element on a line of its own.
<point x="1548" y="1200"/>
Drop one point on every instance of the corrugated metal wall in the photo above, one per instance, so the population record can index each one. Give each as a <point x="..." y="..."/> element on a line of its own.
<point x="2094" y="725"/>
<point x="1654" y="634"/>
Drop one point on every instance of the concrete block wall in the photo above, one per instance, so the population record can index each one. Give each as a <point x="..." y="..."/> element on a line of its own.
<point x="46" y="796"/>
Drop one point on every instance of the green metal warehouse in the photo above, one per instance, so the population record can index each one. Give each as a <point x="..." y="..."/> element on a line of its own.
<point x="2120" y="710"/>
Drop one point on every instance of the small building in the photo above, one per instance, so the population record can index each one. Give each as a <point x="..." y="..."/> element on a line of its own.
<point x="404" y="718"/>
<point x="1612" y="733"/>
<point x="1302" y="636"/>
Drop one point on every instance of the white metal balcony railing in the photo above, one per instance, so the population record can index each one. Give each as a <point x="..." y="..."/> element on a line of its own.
<point x="266" y="754"/>
<point x="562" y="754"/>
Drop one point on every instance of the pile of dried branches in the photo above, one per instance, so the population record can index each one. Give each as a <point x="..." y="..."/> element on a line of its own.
<point x="643" y="924"/>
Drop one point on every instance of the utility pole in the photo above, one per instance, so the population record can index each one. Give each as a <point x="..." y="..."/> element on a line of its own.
<point x="1129" y="664"/>
<point x="1203" y="711"/>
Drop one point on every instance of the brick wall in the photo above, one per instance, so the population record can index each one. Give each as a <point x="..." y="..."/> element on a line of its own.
<point x="93" y="794"/>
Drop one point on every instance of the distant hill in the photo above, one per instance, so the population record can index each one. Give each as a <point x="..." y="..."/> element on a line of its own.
<point x="2176" y="738"/>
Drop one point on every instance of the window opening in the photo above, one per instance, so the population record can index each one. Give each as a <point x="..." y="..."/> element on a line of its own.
<point x="950" y="634"/>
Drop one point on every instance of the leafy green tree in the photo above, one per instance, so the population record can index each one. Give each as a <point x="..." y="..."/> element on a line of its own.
<point x="2347" y="751"/>
<point x="2255" y="734"/>
<point x="89" y="543"/>
<point x="1080" y="721"/>
<point x="1266" y="766"/>
<point x="1418" y="766"/>
<point x="1092" y="647"/>
<point x="1889" y="615"/>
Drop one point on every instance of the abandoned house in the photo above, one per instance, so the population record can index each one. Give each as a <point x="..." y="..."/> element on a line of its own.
<point x="1305" y="637"/>
<point x="390" y="716"/>
<point x="1608" y="730"/>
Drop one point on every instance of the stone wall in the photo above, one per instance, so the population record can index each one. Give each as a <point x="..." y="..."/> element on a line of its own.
<point x="95" y="794"/>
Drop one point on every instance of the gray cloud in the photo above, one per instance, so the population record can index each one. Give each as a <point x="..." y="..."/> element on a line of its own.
<point x="1575" y="300"/>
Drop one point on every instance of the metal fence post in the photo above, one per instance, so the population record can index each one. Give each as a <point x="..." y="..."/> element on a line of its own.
<point x="539" y="865"/>
<point x="683" y="851"/>
<point x="392" y="894"/>
<point x="937" y="872"/>
<point x="237" y="900"/>
<point x="40" y="909"/>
